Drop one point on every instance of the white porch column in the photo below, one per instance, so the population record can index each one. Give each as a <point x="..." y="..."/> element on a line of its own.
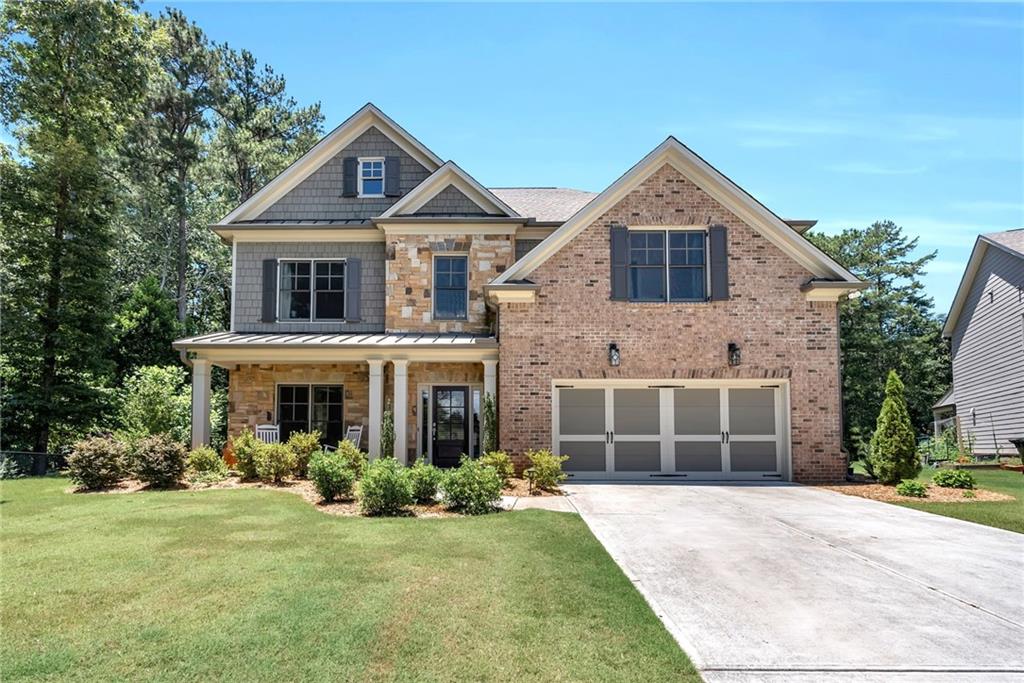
<point x="376" y="405"/>
<point x="200" y="402"/>
<point x="400" y="406"/>
<point x="491" y="378"/>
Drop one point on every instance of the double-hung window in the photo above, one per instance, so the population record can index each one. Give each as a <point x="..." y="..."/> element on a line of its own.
<point x="371" y="176"/>
<point x="667" y="265"/>
<point x="311" y="290"/>
<point x="450" y="287"/>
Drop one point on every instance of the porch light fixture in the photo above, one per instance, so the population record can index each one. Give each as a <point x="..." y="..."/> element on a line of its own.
<point x="734" y="354"/>
<point x="613" y="355"/>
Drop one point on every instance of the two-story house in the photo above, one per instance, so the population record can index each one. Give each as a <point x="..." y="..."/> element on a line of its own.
<point x="985" y="327"/>
<point x="668" y="327"/>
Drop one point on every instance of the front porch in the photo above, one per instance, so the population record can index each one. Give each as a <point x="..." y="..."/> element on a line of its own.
<point x="434" y="384"/>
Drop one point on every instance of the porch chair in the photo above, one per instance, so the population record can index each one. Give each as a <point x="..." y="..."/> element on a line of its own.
<point x="354" y="434"/>
<point x="268" y="433"/>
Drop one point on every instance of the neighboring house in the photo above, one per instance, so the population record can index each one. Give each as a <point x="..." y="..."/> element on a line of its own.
<point x="986" y="328"/>
<point x="669" y="326"/>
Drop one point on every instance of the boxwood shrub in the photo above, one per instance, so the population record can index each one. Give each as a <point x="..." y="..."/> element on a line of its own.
<point x="385" y="488"/>
<point x="473" y="487"/>
<point x="245" y="447"/>
<point x="274" y="462"/>
<point x="331" y="475"/>
<point x="425" y="479"/>
<point x="303" y="445"/>
<point x="954" y="479"/>
<point x="206" y="465"/>
<point x="159" y="461"/>
<point x="356" y="459"/>
<point x="97" y="462"/>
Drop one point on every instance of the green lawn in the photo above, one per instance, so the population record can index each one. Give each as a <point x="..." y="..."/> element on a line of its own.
<point x="1004" y="515"/>
<point x="258" y="585"/>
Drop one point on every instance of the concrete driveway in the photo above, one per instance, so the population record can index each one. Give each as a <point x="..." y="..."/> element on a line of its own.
<point x="784" y="582"/>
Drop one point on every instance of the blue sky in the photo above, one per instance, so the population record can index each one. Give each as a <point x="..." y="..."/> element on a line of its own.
<point x="845" y="113"/>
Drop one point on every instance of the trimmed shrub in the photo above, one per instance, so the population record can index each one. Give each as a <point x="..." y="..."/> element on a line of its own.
<point x="472" y="487"/>
<point x="97" y="462"/>
<point x="245" y="447"/>
<point x="954" y="479"/>
<point x="893" y="446"/>
<point x="159" y="461"/>
<point x="385" y="488"/>
<point x="206" y="465"/>
<point x="501" y="463"/>
<point x="545" y="470"/>
<point x="303" y="445"/>
<point x="331" y="475"/>
<point x="911" y="488"/>
<point x="354" y="458"/>
<point x="274" y="462"/>
<point x="425" y="480"/>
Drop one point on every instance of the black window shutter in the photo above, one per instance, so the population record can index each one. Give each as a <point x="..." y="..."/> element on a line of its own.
<point x="620" y="262"/>
<point x="353" y="289"/>
<point x="349" y="177"/>
<point x="392" y="175"/>
<point x="718" y="259"/>
<point x="269" y="290"/>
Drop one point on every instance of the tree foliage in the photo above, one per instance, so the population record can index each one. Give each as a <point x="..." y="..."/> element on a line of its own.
<point x="891" y="326"/>
<point x="893" y="454"/>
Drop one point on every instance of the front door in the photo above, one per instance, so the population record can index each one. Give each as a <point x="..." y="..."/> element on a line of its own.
<point x="450" y="429"/>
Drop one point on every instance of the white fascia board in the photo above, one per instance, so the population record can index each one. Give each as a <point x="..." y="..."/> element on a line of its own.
<point x="719" y="187"/>
<point x="325" y="150"/>
<point x="448" y="174"/>
<point x="966" y="282"/>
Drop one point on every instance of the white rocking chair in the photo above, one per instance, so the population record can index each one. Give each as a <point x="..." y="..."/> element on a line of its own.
<point x="354" y="434"/>
<point x="268" y="433"/>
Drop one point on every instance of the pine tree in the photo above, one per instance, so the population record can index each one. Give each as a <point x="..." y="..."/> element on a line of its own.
<point x="893" y="454"/>
<point x="71" y="72"/>
<point x="144" y="327"/>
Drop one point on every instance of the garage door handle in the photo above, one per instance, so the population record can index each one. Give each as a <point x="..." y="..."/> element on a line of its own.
<point x="723" y="437"/>
<point x="727" y="437"/>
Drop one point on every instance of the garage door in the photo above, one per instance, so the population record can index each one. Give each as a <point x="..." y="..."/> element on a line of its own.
<point x="687" y="432"/>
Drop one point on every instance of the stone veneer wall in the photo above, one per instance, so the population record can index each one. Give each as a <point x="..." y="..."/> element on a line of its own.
<point x="252" y="391"/>
<point x="565" y="334"/>
<point x="409" y="279"/>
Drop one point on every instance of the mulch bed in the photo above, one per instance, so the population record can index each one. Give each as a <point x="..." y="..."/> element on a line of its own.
<point x="305" y="489"/>
<point x="936" y="494"/>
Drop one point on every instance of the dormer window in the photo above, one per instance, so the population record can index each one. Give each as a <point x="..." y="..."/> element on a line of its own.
<point x="371" y="176"/>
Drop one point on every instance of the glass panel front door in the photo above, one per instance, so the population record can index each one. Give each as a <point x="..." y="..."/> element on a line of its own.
<point x="450" y="425"/>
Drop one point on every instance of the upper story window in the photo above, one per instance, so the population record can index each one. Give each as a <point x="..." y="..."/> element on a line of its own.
<point x="667" y="265"/>
<point x="451" y="295"/>
<point x="371" y="176"/>
<point x="311" y="290"/>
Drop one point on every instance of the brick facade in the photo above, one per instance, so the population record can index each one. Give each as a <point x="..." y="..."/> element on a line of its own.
<point x="409" y="279"/>
<point x="565" y="334"/>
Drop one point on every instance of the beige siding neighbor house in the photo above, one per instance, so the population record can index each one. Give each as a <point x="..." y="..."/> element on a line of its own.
<point x="669" y="327"/>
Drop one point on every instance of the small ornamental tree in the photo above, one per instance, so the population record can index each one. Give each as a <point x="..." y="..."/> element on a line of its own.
<point x="490" y="434"/>
<point x="387" y="434"/>
<point x="893" y="454"/>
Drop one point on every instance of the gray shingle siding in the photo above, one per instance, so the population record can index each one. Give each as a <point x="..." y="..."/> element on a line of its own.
<point x="248" y="293"/>
<point x="988" y="354"/>
<point x="318" y="197"/>
<point x="524" y="247"/>
<point x="450" y="202"/>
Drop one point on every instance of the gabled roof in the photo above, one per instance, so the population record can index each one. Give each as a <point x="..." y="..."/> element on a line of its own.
<point x="544" y="204"/>
<point x="1010" y="241"/>
<point x="325" y="150"/>
<point x="449" y="175"/>
<point x="709" y="179"/>
<point x="948" y="399"/>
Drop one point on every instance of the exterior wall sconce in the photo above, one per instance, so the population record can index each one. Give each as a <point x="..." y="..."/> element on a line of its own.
<point x="613" y="355"/>
<point x="734" y="354"/>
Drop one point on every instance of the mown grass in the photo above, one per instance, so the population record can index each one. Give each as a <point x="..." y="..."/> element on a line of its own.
<point x="254" y="585"/>
<point x="1003" y="515"/>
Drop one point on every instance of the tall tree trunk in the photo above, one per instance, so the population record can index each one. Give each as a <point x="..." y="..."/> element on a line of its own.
<point x="50" y="320"/>
<point x="182" y="246"/>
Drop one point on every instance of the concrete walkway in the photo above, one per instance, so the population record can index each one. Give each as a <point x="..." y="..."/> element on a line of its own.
<point x="791" y="583"/>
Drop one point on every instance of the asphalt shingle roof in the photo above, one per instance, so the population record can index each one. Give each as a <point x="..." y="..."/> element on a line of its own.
<point x="545" y="204"/>
<point x="1011" y="239"/>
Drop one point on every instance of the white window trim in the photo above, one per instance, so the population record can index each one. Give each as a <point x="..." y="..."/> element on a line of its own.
<point x="359" y="175"/>
<point x="312" y="292"/>
<point x="668" y="267"/>
<point x="433" y="286"/>
<point x="309" y="416"/>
